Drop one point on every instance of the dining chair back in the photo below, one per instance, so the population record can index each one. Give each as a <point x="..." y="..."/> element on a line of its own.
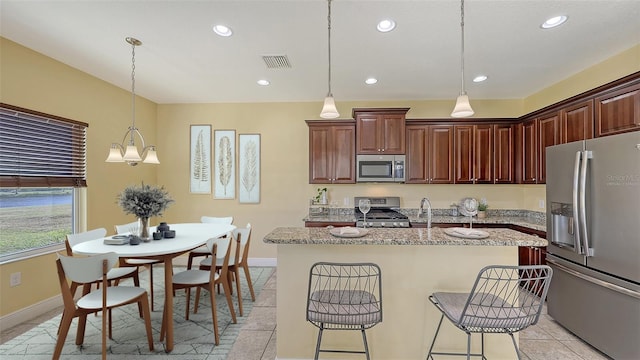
<point x="138" y="263"/>
<point x="202" y="250"/>
<point x="127" y="228"/>
<point x="84" y="270"/>
<point x="227" y="220"/>
<point x="503" y="299"/>
<point x="77" y="238"/>
<point x="219" y="248"/>
<point x="242" y="239"/>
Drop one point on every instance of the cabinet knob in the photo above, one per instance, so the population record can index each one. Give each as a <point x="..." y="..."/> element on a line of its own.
<point x="382" y="150"/>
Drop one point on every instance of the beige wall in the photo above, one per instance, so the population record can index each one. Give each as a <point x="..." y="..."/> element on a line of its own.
<point x="40" y="83"/>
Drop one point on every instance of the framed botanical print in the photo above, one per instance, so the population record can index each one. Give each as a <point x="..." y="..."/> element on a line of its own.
<point x="200" y="159"/>
<point x="249" y="168"/>
<point x="224" y="164"/>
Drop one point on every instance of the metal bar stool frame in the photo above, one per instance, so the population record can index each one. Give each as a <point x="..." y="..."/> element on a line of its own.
<point x="504" y="299"/>
<point x="344" y="296"/>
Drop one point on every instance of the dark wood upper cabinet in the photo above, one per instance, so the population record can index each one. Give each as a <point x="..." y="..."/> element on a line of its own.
<point x="548" y="135"/>
<point x="332" y="152"/>
<point x="576" y="122"/>
<point x="528" y="143"/>
<point x="503" y="153"/>
<point x="473" y="154"/>
<point x="380" y="131"/>
<point x="429" y="154"/>
<point x="618" y="111"/>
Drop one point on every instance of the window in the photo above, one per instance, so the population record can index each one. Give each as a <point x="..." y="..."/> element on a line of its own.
<point x="42" y="168"/>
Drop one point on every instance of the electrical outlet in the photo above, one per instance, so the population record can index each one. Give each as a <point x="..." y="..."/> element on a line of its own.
<point x="541" y="203"/>
<point x="15" y="279"/>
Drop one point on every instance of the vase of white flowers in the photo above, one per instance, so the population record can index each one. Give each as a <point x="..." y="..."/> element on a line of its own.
<point x="144" y="201"/>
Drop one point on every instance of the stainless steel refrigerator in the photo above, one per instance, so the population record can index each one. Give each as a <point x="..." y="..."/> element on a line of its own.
<point x="593" y="229"/>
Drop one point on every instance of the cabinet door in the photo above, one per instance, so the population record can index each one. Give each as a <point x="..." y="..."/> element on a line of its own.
<point x="368" y="135"/>
<point x="483" y="154"/>
<point x="503" y="154"/>
<point x="393" y="134"/>
<point x="618" y="111"/>
<point x="416" y="166"/>
<point x="548" y="135"/>
<point x="463" y="154"/>
<point x="577" y="122"/>
<point x="320" y="155"/>
<point x="529" y="152"/>
<point x="440" y="154"/>
<point x="344" y="155"/>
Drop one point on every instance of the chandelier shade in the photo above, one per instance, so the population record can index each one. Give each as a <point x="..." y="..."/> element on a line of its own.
<point x="127" y="151"/>
<point x="463" y="107"/>
<point x="329" y="110"/>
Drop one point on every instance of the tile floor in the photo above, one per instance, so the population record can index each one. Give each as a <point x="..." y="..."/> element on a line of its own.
<point x="257" y="339"/>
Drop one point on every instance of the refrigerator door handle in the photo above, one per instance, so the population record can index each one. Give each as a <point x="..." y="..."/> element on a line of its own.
<point x="595" y="281"/>
<point x="583" y="207"/>
<point x="577" y="246"/>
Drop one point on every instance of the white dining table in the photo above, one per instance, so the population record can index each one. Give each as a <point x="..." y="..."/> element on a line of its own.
<point x="188" y="237"/>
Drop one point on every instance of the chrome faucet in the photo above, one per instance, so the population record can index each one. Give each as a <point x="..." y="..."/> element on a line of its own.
<point x="421" y="210"/>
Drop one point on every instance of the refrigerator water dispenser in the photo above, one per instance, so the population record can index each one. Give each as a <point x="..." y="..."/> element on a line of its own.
<point x="562" y="224"/>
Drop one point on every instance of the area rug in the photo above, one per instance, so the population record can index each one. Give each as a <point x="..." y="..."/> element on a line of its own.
<point x="193" y="338"/>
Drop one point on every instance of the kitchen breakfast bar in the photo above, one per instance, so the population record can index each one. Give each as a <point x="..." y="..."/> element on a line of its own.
<point x="415" y="262"/>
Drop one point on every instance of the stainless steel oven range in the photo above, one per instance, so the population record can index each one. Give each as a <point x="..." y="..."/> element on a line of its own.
<point x="383" y="212"/>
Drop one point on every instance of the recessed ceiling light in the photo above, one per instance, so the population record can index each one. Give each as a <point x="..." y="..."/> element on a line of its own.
<point x="480" y="78"/>
<point x="371" y="81"/>
<point x="386" y="25"/>
<point x="263" y="82"/>
<point x="554" y="21"/>
<point x="222" y="30"/>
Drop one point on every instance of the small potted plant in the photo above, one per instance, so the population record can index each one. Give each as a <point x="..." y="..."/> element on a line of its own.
<point x="321" y="196"/>
<point x="482" y="208"/>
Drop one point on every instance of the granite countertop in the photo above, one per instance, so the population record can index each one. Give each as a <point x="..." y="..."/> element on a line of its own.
<point x="400" y="236"/>
<point x="528" y="219"/>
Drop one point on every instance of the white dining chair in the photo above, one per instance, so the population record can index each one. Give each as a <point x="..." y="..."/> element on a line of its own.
<point x="137" y="263"/>
<point x="242" y="239"/>
<point x="219" y="248"/>
<point x="114" y="274"/>
<point x="202" y="250"/>
<point x="85" y="270"/>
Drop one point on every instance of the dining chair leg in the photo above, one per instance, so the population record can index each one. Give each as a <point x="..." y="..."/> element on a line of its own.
<point x="65" y="324"/>
<point x="186" y="316"/>
<point x="144" y="302"/>
<point x="196" y="302"/>
<point x="82" y="325"/>
<point x="249" y="283"/>
<point x="237" y="278"/>
<point x="227" y="292"/>
<point x="214" y="315"/>
<point x="151" y="284"/>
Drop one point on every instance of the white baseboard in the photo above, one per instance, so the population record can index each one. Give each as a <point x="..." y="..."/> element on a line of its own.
<point x="30" y="312"/>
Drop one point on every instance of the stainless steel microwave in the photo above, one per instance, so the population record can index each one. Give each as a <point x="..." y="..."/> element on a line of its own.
<point x="380" y="168"/>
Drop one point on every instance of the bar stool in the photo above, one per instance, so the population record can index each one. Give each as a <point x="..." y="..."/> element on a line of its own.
<point x="344" y="296"/>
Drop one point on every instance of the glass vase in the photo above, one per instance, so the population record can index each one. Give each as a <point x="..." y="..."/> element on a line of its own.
<point x="143" y="228"/>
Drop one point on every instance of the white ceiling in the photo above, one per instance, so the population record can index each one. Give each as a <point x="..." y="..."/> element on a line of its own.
<point x="183" y="61"/>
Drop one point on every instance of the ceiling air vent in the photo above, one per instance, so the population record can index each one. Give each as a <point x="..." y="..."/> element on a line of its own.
<point x="276" y="61"/>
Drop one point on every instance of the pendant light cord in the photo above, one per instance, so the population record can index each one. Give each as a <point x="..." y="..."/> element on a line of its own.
<point x="133" y="88"/>
<point x="462" y="45"/>
<point x="329" y="42"/>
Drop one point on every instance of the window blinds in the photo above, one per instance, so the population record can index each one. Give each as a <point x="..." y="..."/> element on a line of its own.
<point x="41" y="150"/>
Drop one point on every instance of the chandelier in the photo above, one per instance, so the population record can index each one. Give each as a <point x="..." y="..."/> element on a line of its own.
<point x="127" y="151"/>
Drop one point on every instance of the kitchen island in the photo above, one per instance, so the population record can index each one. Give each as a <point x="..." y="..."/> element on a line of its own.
<point x="414" y="262"/>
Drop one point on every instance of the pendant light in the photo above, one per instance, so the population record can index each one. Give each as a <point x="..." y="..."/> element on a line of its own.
<point x="463" y="107"/>
<point x="329" y="110"/>
<point x="129" y="153"/>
